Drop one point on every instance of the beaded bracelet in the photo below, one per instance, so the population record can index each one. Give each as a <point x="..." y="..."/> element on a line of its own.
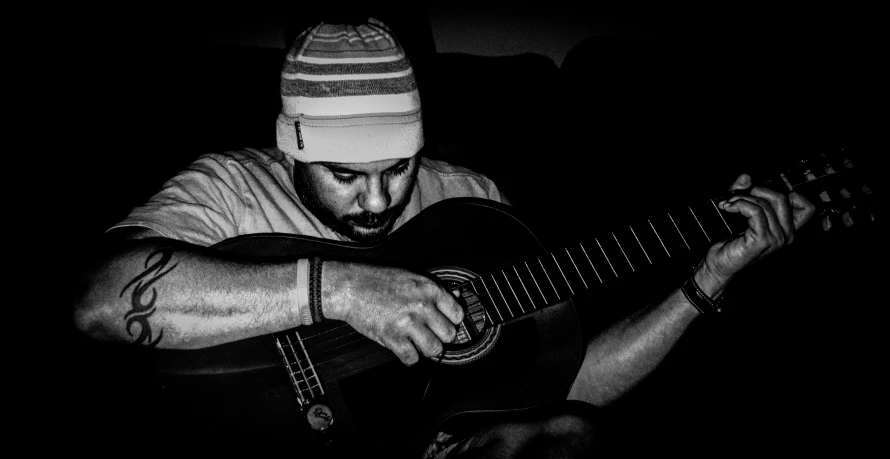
<point x="698" y="298"/>
<point x="315" y="266"/>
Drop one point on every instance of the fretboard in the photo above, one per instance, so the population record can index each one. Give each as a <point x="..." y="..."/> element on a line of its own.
<point x="523" y="288"/>
<point x="681" y="235"/>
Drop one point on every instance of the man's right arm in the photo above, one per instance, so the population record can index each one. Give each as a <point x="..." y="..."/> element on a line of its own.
<point x="155" y="291"/>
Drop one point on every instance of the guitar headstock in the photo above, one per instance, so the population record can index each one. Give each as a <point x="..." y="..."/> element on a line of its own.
<point x="839" y="187"/>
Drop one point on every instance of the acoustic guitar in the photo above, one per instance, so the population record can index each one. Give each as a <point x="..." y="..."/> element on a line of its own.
<point x="327" y="390"/>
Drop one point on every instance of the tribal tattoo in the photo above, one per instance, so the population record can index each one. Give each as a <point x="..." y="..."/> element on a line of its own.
<point x="155" y="269"/>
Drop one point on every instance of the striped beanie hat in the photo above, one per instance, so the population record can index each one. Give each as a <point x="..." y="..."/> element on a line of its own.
<point x="349" y="96"/>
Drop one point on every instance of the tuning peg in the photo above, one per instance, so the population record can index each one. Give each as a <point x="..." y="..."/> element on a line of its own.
<point x="870" y="203"/>
<point x="851" y="208"/>
<point x="829" y="216"/>
<point x="848" y="208"/>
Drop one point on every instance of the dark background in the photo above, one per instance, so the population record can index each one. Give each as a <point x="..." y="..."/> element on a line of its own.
<point x="583" y="116"/>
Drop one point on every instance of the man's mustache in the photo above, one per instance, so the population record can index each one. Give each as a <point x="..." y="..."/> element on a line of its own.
<point x="369" y="219"/>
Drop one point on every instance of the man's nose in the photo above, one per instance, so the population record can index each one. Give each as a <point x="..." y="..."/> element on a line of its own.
<point x="375" y="198"/>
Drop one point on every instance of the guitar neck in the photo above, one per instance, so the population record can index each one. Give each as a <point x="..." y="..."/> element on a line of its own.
<point x="682" y="235"/>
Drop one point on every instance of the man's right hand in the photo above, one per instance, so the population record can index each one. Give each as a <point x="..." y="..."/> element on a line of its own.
<point x="404" y="311"/>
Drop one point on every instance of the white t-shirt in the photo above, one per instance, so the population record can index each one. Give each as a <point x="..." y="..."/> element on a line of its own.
<point x="223" y="195"/>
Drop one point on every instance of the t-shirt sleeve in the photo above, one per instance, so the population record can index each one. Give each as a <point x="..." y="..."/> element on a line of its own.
<point x="199" y="205"/>
<point x="495" y="194"/>
<point x="439" y="180"/>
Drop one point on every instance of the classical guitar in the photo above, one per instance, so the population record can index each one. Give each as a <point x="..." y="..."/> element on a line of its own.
<point x="326" y="388"/>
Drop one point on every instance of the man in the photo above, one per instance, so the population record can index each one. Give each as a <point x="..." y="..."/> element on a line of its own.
<point x="347" y="168"/>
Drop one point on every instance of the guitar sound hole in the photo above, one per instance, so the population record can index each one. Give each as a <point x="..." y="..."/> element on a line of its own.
<point x="476" y="336"/>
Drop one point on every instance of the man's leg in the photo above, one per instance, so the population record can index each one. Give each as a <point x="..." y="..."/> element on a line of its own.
<point x="566" y="430"/>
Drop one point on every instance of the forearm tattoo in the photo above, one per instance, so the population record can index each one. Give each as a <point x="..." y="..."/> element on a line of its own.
<point x="155" y="269"/>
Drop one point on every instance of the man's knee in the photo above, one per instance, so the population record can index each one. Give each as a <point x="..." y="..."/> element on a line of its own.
<point x="570" y="431"/>
<point x="563" y="430"/>
<point x="576" y="428"/>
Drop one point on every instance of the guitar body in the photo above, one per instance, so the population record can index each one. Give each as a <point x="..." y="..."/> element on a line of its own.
<point x="243" y="388"/>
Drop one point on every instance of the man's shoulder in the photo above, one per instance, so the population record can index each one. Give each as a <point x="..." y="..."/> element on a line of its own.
<point x="442" y="180"/>
<point x="445" y="170"/>
<point x="246" y="157"/>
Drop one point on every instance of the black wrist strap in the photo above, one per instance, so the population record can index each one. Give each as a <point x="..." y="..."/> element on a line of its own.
<point x="697" y="297"/>
<point x="315" y="265"/>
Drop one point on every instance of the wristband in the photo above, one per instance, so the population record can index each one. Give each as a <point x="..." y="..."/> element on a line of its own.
<point x="697" y="297"/>
<point x="303" y="291"/>
<point x="315" y="266"/>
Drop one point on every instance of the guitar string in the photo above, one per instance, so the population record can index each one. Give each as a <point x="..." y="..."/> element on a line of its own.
<point x="654" y="230"/>
<point x="310" y="386"/>
<point x="621" y="248"/>
<point x="300" y="366"/>
<point x="624" y="253"/>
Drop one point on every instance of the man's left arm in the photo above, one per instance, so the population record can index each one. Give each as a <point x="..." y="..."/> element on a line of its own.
<point x="625" y="353"/>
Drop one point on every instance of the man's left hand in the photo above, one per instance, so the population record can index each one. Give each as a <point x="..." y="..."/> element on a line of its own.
<point x="773" y="218"/>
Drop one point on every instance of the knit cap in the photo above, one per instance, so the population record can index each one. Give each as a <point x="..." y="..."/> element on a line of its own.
<point x="348" y="95"/>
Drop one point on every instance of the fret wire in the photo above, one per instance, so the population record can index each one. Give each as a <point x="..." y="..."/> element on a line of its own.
<point x="548" y="279"/>
<point x="659" y="238"/>
<point x="523" y="288"/>
<point x="302" y="372"/>
<point x="572" y="291"/>
<point x="297" y="362"/>
<point x="494" y="303"/>
<point x="296" y="357"/>
<point x="591" y="264"/>
<point x="513" y="291"/>
<point x="293" y="377"/>
<point x="530" y="273"/>
<point x="678" y="231"/>
<point x="484" y="309"/>
<point x="699" y="223"/>
<point x="721" y="215"/>
<point x="309" y="388"/>
<point x="622" y="252"/>
<point x="607" y="257"/>
<point x="309" y="384"/>
<point x="640" y="244"/>
<point x="576" y="269"/>
<point x="311" y="365"/>
<point x="507" y="303"/>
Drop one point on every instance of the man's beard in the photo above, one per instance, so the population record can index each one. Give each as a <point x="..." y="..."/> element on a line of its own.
<point x="373" y="227"/>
